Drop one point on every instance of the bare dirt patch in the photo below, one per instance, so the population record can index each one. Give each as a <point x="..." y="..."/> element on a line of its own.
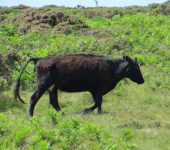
<point x="65" y="20"/>
<point x="32" y="19"/>
<point x="101" y="12"/>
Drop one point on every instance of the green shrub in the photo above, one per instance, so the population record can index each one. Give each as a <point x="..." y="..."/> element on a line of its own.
<point x="127" y="134"/>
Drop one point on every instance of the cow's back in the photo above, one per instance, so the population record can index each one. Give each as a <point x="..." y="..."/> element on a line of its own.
<point x="73" y="73"/>
<point x="80" y="72"/>
<point x="81" y="63"/>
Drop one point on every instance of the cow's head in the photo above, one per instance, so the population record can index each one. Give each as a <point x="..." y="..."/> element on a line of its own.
<point x="133" y="71"/>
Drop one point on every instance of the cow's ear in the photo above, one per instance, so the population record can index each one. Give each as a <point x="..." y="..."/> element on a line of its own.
<point x="128" y="59"/>
<point x="135" y="60"/>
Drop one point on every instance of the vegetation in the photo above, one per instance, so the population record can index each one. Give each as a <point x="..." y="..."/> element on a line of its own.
<point x="134" y="116"/>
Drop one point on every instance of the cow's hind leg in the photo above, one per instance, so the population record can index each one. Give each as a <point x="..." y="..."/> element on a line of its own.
<point x="54" y="98"/>
<point x="34" y="99"/>
<point x="87" y="110"/>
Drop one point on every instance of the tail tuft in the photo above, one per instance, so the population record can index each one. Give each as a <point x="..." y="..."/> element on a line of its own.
<point x="16" y="92"/>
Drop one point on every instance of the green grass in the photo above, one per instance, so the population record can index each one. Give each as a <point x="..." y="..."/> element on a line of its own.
<point x="136" y="118"/>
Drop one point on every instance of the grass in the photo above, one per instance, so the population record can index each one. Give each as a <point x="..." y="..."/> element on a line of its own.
<point x="134" y="119"/>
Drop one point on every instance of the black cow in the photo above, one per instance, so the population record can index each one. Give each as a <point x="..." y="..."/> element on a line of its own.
<point x="77" y="73"/>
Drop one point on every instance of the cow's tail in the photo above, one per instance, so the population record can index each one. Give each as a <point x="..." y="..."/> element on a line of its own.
<point x="16" y="89"/>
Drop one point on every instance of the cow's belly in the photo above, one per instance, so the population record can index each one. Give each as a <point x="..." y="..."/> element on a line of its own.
<point x="74" y="87"/>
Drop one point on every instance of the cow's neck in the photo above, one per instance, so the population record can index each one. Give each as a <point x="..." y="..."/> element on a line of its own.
<point x="121" y="70"/>
<point x="119" y="74"/>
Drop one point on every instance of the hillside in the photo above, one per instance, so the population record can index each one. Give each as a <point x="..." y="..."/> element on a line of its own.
<point x="135" y="116"/>
<point x="110" y="31"/>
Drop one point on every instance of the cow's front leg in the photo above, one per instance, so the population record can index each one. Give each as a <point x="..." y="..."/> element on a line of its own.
<point x="87" y="110"/>
<point x="98" y="101"/>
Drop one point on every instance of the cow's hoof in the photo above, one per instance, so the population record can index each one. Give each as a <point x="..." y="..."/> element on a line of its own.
<point x="99" y="112"/>
<point x="60" y="112"/>
<point x="30" y="113"/>
<point x="86" y="111"/>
